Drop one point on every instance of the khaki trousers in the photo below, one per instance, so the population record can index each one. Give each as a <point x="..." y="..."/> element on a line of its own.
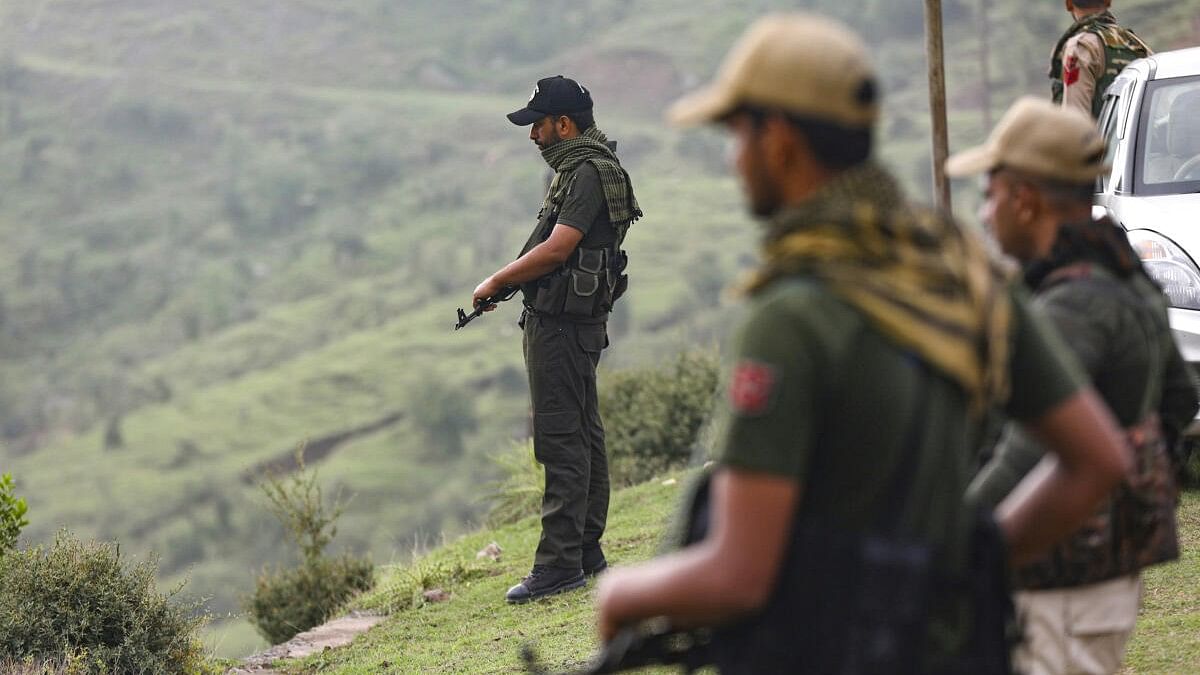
<point x="1077" y="631"/>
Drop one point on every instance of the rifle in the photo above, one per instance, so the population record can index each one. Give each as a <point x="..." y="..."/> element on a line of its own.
<point x="654" y="643"/>
<point x="482" y="305"/>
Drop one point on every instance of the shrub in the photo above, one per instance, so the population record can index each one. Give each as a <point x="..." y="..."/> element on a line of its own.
<point x="81" y="604"/>
<point x="12" y="514"/>
<point x="653" y="416"/>
<point x="290" y="601"/>
<point x="518" y="493"/>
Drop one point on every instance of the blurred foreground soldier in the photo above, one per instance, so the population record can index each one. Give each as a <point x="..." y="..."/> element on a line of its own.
<point x="1090" y="55"/>
<point x="1080" y="601"/>
<point x="877" y="334"/>
<point x="570" y="272"/>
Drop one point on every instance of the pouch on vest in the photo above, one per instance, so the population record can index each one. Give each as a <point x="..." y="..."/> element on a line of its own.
<point x="618" y="279"/>
<point x="588" y="276"/>
<point x="551" y="294"/>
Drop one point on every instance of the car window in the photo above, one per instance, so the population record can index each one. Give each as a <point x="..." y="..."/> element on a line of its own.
<point x="1169" y="137"/>
<point x="1111" y="121"/>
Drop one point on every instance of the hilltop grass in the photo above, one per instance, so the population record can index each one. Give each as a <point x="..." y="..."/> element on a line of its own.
<point x="1167" y="639"/>
<point x="476" y="632"/>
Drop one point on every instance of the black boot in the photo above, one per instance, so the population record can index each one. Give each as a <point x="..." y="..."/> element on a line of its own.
<point x="593" y="560"/>
<point x="544" y="580"/>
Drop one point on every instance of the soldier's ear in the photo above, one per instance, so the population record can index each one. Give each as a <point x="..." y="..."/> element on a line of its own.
<point x="563" y="125"/>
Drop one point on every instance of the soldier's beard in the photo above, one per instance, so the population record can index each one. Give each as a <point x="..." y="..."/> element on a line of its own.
<point x="763" y="195"/>
<point x="551" y="140"/>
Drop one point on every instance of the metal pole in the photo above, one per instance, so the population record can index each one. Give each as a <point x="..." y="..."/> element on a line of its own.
<point x="937" y="102"/>
<point x="985" y="69"/>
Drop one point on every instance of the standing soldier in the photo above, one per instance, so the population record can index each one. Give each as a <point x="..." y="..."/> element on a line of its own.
<point x="1080" y="601"/>
<point x="570" y="272"/>
<point x="876" y="337"/>
<point x="1090" y="54"/>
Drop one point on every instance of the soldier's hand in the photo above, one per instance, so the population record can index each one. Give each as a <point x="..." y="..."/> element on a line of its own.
<point x="608" y="600"/>
<point x="486" y="289"/>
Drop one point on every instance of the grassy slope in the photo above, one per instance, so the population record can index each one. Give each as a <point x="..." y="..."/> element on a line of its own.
<point x="475" y="632"/>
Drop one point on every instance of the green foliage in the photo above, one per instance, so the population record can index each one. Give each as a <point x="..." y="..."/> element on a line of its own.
<point x="81" y="604"/>
<point x="298" y="504"/>
<point x="291" y="601"/>
<point x="652" y="416"/>
<point x="518" y="493"/>
<point x="403" y="589"/>
<point x="12" y="514"/>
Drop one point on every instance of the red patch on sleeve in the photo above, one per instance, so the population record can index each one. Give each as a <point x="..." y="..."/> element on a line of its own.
<point x="1071" y="71"/>
<point x="752" y="387"/>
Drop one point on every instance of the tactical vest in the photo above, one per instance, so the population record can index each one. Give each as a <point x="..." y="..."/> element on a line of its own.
<point x="589" y="282"/>
<point x="1121" y="47"/>
<point x="1135" y="527"/>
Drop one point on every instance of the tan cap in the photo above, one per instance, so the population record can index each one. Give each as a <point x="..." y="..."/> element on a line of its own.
<point x="1039" y="138"/>
<point x="800" y="63"/>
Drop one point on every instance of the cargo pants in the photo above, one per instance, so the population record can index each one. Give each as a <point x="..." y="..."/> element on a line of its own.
<point x="568" y="437"/>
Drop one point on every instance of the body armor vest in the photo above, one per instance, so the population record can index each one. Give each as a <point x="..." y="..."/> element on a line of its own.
<point x="589" y="282"/>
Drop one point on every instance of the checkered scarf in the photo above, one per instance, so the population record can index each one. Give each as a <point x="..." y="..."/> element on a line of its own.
<point x="592" y="146"/>
<point x="923" y="281"/>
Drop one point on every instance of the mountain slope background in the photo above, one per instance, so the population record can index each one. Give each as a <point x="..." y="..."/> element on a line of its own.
<point x="235" y="227"/>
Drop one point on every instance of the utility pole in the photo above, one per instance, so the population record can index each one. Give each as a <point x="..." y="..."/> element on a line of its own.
<point x="985" y="70"/>
<point x="937" y="102"/>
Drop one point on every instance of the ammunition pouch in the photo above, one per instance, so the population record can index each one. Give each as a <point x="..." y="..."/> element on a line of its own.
<point x="586" y="287"/>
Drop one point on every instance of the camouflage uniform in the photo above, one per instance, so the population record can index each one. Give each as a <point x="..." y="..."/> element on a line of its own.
<point x="1088" y="57"/>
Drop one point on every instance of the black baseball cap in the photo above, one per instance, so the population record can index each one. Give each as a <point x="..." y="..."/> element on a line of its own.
<point x="556" y="95"/>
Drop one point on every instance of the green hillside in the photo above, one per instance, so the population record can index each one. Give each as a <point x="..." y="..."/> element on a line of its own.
<point x="230" y="228"/>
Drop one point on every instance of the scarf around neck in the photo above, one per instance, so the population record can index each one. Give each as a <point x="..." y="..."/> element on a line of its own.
<point x="1102" y="242"/>
<point x="592" y="146"/>
<point x="921" y="280"/>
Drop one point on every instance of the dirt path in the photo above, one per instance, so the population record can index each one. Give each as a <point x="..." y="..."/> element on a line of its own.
<point x="330" y="635"/>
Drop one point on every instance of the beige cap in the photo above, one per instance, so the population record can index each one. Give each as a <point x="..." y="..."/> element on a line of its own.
<point x="1039" y="138"/>
<point x="799" y="63"/>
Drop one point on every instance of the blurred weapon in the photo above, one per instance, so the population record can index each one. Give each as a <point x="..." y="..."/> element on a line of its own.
<point x="653" y="643"/>
<point x="483" y="305"/>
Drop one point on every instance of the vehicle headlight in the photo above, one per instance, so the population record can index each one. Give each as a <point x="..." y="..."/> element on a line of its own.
<point x="1169" y="267"/>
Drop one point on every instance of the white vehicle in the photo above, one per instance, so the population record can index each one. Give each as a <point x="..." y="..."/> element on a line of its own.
<point x="1151" y="121"/>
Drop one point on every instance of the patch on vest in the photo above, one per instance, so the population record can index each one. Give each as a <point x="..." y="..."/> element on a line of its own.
<point x="752" y="388"/>
<point x="1071" y="71"/>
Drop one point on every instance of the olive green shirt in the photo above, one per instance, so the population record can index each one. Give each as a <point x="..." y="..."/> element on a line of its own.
<point x="586" y="209"/>
<point x="818" y="394"/>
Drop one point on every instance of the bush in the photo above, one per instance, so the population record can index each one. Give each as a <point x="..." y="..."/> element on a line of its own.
<point x="80" y="604"/>
<point x="519" y="492"/>
<point x="12" y="514"/>
<point x="290" y="601"/>
<point x="653" y="416"/>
